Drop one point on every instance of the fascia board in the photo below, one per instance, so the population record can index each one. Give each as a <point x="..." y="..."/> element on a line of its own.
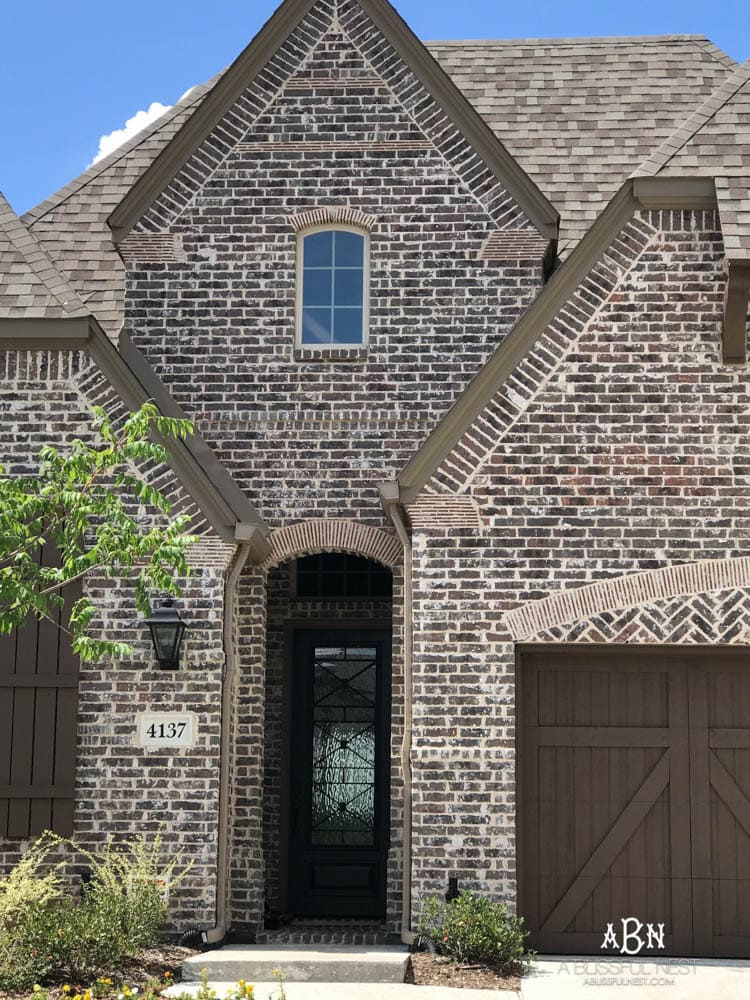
<point x="199" y="125"/>
<point x="467" y="120"/>
<point x="222" y="502"/>
<point x="231" y="494"/>
<point x="734" y="327"/>
<point x="516" y="345"/>
<point x="675" y="192"/>
<point x="44" y="334"/>
<point x="193" y="462"/>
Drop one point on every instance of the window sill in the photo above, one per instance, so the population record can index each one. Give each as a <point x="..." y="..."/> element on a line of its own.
<point x="326" y="354"/>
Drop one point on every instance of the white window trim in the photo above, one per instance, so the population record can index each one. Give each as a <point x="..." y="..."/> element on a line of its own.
<point x="331" y="227"/>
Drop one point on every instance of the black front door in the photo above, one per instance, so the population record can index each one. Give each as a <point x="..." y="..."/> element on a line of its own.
<point x="339" y="773"/>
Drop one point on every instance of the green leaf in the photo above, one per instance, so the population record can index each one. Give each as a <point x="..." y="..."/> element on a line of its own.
<point x="97" y="503"/>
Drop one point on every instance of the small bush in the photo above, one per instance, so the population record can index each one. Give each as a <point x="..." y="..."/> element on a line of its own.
<point x="117" y="915"/>
<point x="26" y="894"/>
<point x="474" y="929"/>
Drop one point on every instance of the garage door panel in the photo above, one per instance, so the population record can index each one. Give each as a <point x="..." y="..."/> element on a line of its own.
<point x="646" y="784"/>
<point x="731" y="907"/>
<point x="728" y="698"/>
<point x="608" y="856"/>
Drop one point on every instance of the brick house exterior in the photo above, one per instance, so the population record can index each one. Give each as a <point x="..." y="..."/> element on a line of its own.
<point x="542" y="436"/>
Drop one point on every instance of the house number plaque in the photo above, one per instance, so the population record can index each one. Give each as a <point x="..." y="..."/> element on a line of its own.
<point x="166" y="729"/>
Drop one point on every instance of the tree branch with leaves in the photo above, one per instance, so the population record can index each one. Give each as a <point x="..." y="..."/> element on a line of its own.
<point x="101" y="516"/>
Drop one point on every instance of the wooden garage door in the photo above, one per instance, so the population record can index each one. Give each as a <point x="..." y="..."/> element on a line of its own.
<point x="634" y="795"/>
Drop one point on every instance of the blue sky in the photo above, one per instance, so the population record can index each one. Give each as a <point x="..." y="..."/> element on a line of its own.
<point x="75" y="71"/>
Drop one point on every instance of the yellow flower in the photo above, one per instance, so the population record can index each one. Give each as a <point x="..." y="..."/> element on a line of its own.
<point x="66" y="988"/>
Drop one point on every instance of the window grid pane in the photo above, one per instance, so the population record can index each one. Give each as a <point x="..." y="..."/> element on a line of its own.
<point x="342" y="576"/>
<point x="333" y="288"/>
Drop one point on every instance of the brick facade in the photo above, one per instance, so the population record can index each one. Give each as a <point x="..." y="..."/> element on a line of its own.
<point x="612" y="457"/>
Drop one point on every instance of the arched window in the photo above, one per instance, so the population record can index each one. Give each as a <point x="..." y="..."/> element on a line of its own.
<point x="333" y="271"/>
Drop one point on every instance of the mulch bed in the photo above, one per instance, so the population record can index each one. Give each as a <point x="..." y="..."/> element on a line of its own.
<point x="150" y="965"/>
<point x="437" y="970"/>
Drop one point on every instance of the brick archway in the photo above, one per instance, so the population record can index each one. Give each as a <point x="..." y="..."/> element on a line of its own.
<point x="574" y="606"/>
<point x="332" y="535"/>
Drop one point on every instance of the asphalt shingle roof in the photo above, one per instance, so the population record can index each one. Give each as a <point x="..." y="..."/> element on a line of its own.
<point x="579" y="115"/>
<point x="715" y="141"/>
<point x="32" y="286"/>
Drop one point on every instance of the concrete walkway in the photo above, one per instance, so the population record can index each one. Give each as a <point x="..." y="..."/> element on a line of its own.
<point x="637" y="979"/>
<point x="550" y="979"/>
<point x="352" y="991"/>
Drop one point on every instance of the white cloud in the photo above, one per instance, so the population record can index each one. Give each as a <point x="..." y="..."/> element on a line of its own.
<point x="108" y="143"/>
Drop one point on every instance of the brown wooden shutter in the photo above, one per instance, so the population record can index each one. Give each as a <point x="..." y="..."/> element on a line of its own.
<point x="38" y="724"/>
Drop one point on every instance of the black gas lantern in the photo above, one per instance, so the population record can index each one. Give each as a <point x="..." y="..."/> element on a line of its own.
<point x="167" y="630"/>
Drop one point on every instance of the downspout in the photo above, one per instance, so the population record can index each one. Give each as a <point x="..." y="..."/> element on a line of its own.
<point x="395" y="513"/>
<point x="218" y="932"/>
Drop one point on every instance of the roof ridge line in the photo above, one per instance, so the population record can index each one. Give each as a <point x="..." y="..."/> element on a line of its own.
<point x="570" y="39"/>
<point x="718" y="54"/>
<point x="697" y="120"/>
<point x="62" y="194"/>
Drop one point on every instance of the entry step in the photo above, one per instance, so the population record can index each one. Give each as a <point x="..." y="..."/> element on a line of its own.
<point x="300" y="964"/>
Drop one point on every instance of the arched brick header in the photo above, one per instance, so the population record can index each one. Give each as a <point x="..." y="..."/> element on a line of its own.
<point x="581" y="603"/>
<point x="323" y="216"/>
<point x="329" y="535"/>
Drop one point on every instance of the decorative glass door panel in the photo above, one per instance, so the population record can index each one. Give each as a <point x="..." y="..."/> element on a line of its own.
<point x="339" y="773"/>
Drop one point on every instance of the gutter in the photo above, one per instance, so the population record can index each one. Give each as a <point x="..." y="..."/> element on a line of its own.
<point x="217" y="933"/>
<point x="389" y="495"/>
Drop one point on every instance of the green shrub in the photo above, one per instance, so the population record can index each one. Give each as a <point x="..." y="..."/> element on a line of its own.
<point x="474" y="929"/>
<point x="121" y="910"/>
<point x="33" y="886"/>
<point x="117" y="915"/>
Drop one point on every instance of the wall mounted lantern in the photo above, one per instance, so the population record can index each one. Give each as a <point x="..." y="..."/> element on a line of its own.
<point x="167" y="630"/>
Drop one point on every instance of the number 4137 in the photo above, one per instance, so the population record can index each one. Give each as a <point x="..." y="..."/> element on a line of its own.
<point x="166" y="730"/>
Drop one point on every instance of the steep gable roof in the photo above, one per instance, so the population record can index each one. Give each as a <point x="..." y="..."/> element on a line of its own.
<point x="72" y="223"/>
<point x="253" y="59"/>
<point x="32" y="286"/>
<point x="578" y="114"/>
<point x="564" y="291"/>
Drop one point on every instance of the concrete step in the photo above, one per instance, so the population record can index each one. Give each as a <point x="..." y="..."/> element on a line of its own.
<point x="300" y="964"/>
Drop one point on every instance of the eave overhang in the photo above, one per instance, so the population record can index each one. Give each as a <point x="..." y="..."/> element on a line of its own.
<point x="223" y="504"/>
